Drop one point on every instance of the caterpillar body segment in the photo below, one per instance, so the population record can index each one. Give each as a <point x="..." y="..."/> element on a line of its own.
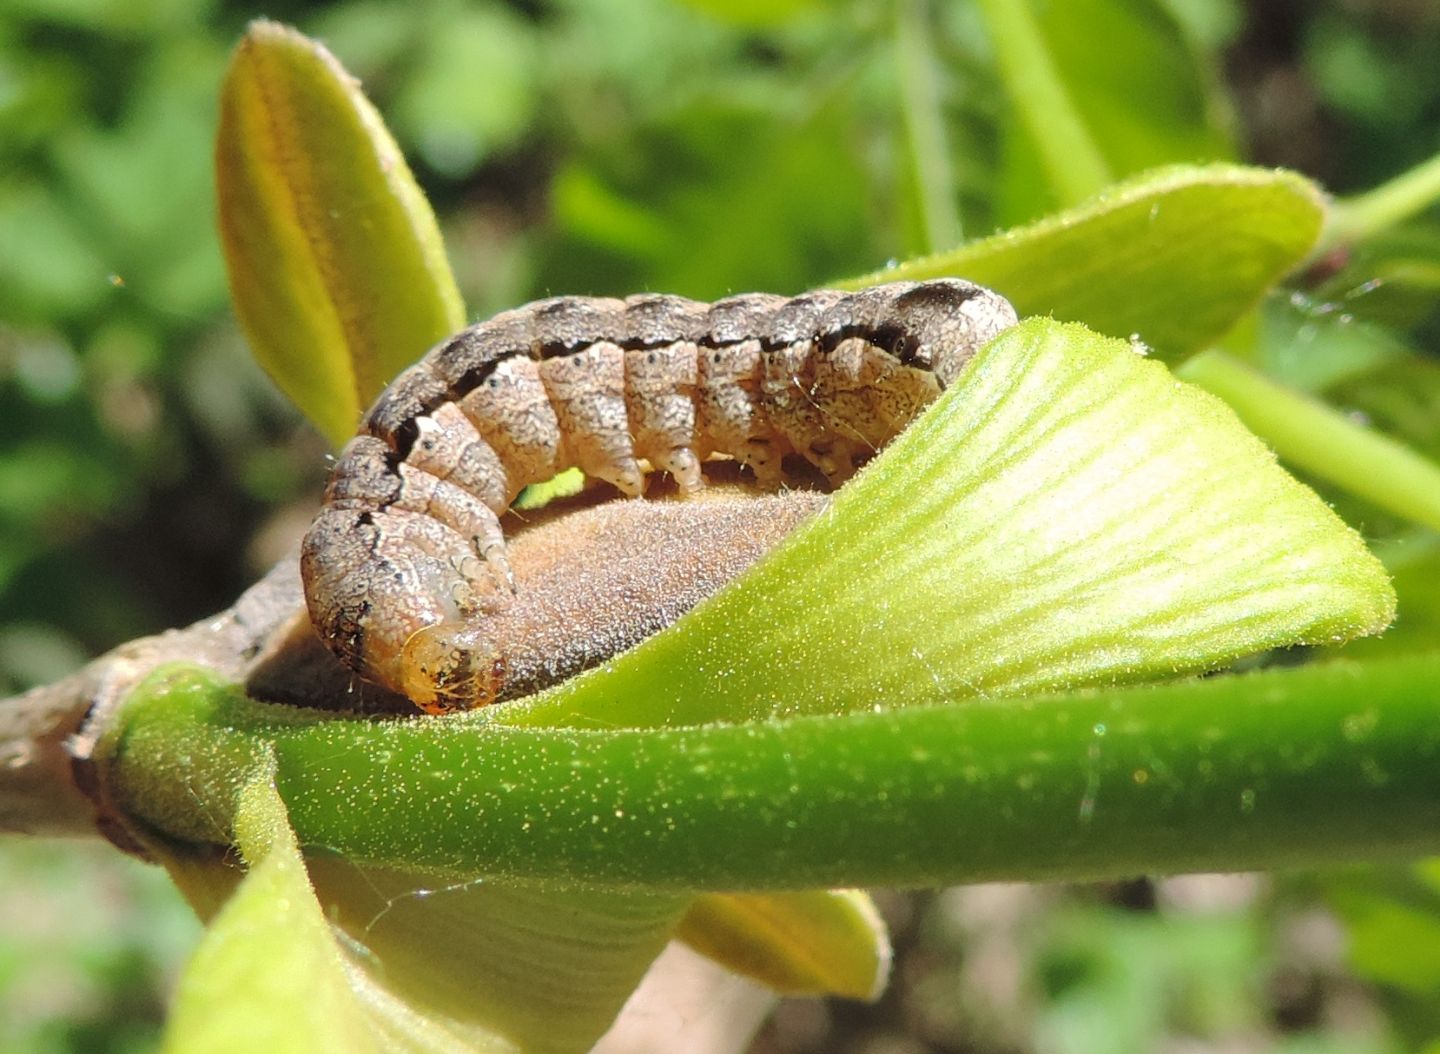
<point x="408" y="553"/>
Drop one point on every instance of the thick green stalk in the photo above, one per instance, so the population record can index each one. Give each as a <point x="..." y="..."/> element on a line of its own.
<point x="1073" y="163"/>
<point x="1321" y="440"/>
<point x="1297" y="768"/>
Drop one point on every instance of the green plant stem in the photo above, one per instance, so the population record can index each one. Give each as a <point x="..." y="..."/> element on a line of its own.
<point x="1321" y="440"/>
<point x="1296" y="768"/>
<point x="1073" y="162"/>
<point x="925" y="128"/>
<point x="1366" y="215"/>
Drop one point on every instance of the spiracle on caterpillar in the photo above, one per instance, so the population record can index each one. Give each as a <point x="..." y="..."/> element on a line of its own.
<point x="409" y="540"/>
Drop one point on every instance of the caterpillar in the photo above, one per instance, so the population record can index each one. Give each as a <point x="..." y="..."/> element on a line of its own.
<point x="407" y="549"/>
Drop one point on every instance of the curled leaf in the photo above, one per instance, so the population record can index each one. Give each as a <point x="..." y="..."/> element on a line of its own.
<point x="268" y="946"/>
<point x="369" y="960"/>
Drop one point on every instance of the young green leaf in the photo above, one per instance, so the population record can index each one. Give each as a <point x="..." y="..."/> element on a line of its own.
<point x="1414" y="562"/>
<point x="1174" y="257"/>
<point x="336" y="267"/>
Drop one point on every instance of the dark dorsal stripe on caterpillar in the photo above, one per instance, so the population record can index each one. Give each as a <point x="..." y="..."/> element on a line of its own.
<point x="407" y="549"/>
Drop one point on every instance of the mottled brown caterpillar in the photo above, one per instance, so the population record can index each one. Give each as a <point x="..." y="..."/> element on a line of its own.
<point x="409" y="537"/>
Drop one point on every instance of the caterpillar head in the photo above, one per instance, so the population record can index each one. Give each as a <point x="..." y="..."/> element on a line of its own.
<point x="936" y="325"/>
<point x="451" y="666"/>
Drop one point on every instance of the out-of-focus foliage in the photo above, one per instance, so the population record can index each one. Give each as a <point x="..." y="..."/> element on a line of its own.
<point x="90" y="943"/>
<point x="148" y="469"/>
<point x="139" y="436"/>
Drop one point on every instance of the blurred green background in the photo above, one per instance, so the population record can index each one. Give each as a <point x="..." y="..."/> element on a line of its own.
<point x="149" y="471"/>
